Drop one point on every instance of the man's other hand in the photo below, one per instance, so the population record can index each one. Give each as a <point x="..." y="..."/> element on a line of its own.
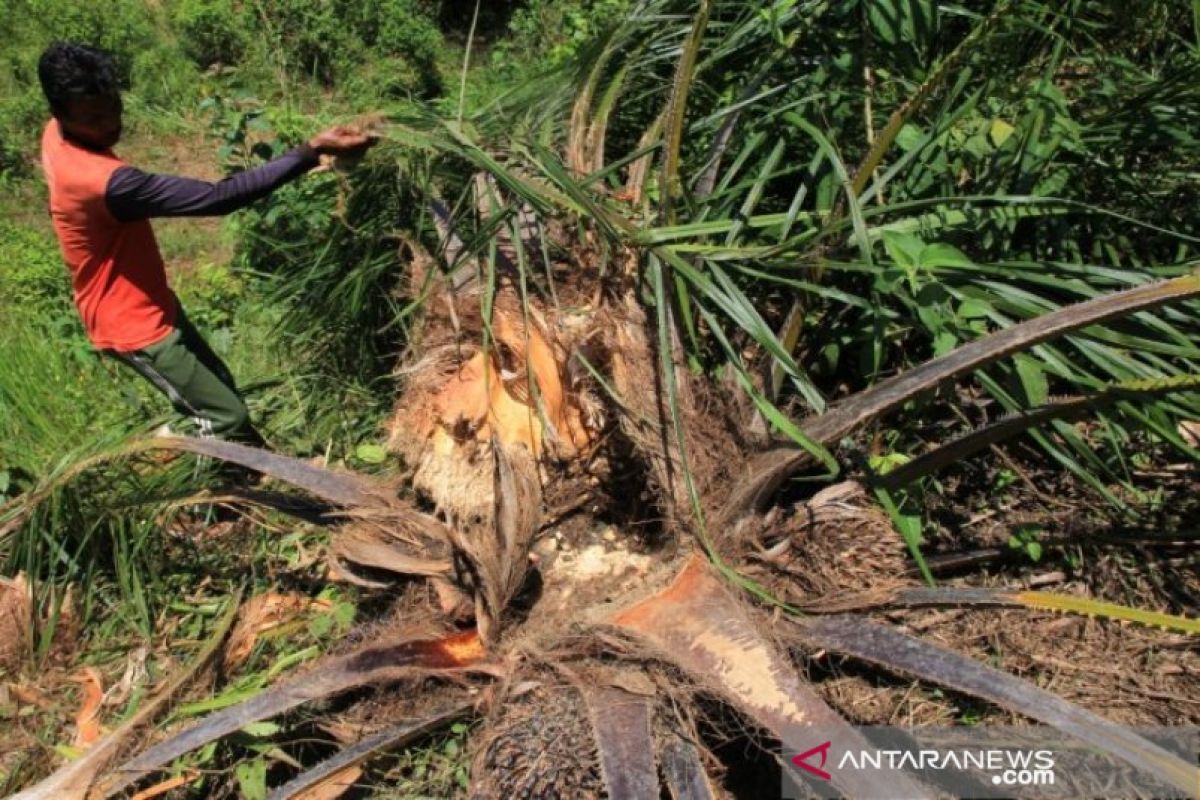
<point x="340" y="140"/>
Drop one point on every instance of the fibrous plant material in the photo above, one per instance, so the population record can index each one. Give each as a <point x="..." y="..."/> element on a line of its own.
<point x="713" y="450"/>
<point x="836" y="543"/>
<point x="494" y="374"/>
<point x="262" y="613"/>
<point x="392" y="736"/>
<point x="16" y="622"/>
<point x="538" y="746"/>
<point x="621" y="726"/>
<point x="883" y="645"/>
<point x="331" y="676"/>
<point x="513" y="392"/>
<point x="78" y="779"/>
<point x="493" y="550"/>
<point x="698" y="625"/>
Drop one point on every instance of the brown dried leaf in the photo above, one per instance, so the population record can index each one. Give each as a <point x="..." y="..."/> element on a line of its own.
<point x="16" y="621"/>
<point x="87" y="720"/>
<point x="134" y="675"/>
<point x="165" y="786"/>
<point x="342" y="732"/>
<point x="332" y="787"/>
<point x="73" y="780"/>
<point x="260" y="614"/>
<point x="68" y="629"/>
<point x="1190" y="432"/>
<point x="29" y="696"/>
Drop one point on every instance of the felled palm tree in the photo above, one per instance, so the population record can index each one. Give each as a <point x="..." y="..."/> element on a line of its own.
<point x="620" y="665"/>
<point x="577" y="327"/>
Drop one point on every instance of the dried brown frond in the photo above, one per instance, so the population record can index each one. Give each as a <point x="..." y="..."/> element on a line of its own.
<point x="835" y="544"/>
<point x="16" y="622"/>
<point x="538" y="746"/>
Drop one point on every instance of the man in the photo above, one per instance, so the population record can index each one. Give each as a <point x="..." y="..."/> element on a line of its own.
<point x="101" y="209"/>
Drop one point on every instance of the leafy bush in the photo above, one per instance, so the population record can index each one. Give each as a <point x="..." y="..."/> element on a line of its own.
<point x="22" y="114"/>
<point x="124" y="28"/>
<point x="305" y="38"/>
<point x="33" y="280"/>
<point x="547" y="33"/>
<point x="162" y="79"/>
<point x="408" y="40"/>
<point x="329" y="41"/>
<point x="213" y="295"/>
<point x="155" y="71"/>
<point x="211" y="31"/>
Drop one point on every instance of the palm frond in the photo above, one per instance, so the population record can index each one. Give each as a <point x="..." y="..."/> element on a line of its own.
<point x="894" y="650"/>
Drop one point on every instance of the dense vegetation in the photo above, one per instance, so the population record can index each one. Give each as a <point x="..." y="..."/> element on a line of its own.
<point x="805" y="197"/>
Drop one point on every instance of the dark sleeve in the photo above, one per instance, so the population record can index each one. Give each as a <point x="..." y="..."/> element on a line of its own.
<point x="132" y="194"/>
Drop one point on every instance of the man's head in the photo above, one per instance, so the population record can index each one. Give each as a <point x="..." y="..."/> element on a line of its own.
<point x="80" y="83"/>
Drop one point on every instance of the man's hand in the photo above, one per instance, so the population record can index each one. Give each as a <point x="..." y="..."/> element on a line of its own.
<point x="342" y="140"/>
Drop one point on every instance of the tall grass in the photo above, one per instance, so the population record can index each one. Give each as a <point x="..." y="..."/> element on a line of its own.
<point x="56" y="409"/>
<point x="104" y="532"/>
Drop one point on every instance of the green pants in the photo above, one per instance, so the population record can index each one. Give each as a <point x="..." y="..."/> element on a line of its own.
<point x="184" y="368"/>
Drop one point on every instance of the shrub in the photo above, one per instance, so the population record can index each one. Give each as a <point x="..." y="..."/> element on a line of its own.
<point x="408" y="40"/>
<point x="211" y="31"/>
<point x="33" y="279"/>
<point x="547" y="33"/>
<point x="124" y="28"/>
<point x="157" y="72"/>
<point x="330" y="40"/>
<point x="162" y="78"/>
<point x="306" y="37"/>
<point x="22" y="113"/>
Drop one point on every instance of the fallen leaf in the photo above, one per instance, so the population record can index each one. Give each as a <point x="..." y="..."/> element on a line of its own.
<point x="29" y="696"/>
<point x="343" y="732"/>
<point x="68" y="630"/>
<point x="166" y="786"/>
<point x="333" y="786"/>
<point x="16" y="621"/>
<point x="260" y="614"/>
<point x="135" y="675"/>
<point x="1190" y="432"/>
<point x="87" y="722"/>
<point x="74" y="780"/>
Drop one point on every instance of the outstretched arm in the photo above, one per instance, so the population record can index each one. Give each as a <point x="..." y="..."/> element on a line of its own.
<point x="132" y="194"/>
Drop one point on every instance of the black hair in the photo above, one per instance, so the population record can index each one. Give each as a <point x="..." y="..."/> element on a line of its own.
<point x="68" y="71"/>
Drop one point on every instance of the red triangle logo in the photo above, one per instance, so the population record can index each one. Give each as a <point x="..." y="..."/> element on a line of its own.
<point x="801" y="760"/>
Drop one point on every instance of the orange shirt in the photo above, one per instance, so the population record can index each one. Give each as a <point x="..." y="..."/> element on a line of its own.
<point x="117" y="272"/>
